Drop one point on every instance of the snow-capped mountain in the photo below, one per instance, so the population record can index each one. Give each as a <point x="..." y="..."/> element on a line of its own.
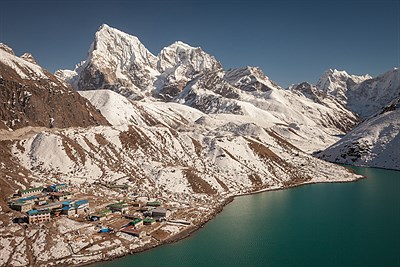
<point x="31" y="96"/>
<point x="176" y="127"/>
<point x="370" y="96"/>
<point x="337" y="83"/>
<point x="116" y="61"/>
<point x="375" y="142"/>
<point x="29" y="57"/>
<point x="120" y="62"/>
<point x="310" y="116"/>
<point x="250" y="79"/>
<point x="188" y="75"/>
<point x="178" y="64"/>
<point x="363" y="95"/>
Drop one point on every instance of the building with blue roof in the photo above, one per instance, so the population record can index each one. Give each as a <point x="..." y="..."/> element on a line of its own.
<point x="56" y="187"/>
<point x="30" y="199"/>
<point x="75" y="207"/>
<point x="38" y="216"/>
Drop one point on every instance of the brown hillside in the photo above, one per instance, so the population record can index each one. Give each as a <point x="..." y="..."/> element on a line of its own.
<point x="45" y="102"/>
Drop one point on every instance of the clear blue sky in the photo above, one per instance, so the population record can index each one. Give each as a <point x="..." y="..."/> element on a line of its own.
<point x="292" y="41"/>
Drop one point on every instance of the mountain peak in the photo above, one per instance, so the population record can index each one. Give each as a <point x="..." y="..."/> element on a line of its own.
<point x="250" y="79"/>
<point x="119" y="61"/>
<point x="180" y="53"/>
<point x="28" y="57"/>
<point x="181" y="44"/>
<point x="113" y="36"/>
<point x="337" y="82"/>
<point x="335" y="72"/>
<point x="104" y="26"/>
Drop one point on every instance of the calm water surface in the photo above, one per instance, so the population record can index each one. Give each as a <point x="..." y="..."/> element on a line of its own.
<point x="347" y="224"/>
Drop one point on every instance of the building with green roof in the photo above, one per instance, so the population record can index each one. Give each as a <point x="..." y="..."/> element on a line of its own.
<point x="136" y="222"/>
<point x="120" y="206"/>
<point x="148" y="221"/>
<point x="31" y="191"/>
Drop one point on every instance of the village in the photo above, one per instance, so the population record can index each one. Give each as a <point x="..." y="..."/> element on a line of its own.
<point x="137" y="216"/>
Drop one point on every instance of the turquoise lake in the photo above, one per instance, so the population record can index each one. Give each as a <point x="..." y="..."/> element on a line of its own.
<point x="336" y="224"/>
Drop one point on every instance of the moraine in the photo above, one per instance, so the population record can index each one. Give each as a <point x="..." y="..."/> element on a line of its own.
<point x="340" y="224"/>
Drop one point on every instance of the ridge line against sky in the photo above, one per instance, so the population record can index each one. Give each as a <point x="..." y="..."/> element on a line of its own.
<point x="291" y="41"/>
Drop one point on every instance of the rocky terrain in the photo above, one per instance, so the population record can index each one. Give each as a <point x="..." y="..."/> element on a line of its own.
<point x="31" y="96"/>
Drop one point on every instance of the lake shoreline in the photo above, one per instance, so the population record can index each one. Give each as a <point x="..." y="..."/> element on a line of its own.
<point x="194" y="228"/>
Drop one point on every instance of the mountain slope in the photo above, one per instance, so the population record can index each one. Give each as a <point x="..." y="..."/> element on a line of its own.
<point x="190" y="153"/>
<point x="31" y="96"/>
<point x="308" y="124"/>
<point x="121" y="111"/>
<point x="374" y="143"/>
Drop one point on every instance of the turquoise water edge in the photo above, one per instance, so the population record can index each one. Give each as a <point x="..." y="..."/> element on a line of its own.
<point x="335" y="224"/>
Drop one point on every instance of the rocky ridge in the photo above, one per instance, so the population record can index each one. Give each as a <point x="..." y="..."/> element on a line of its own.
<point x="32" y="96"/>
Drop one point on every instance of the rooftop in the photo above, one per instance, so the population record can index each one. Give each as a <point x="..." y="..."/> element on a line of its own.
<point x="37" y="212"/>
<point x="131" y="230"/>
<point x="135" y="221"/>
<point x="20" y="203"/>
<point x="148" y="220"/>
<point x="102" y="213"/>
<point x="55" y="187"/>
<point x="32" y="190"/>
<point x="118" y="205"/>
<point x="81" y="202"/>
<point x="159" y="209"/>
<point x="23" y="199"/>
<point x="154" y="203"/>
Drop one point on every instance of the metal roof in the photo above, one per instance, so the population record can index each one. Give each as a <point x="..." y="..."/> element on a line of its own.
<point x="37" y="212"/>
<point x="32" y="189"/>
<point x="81" y="202"/>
